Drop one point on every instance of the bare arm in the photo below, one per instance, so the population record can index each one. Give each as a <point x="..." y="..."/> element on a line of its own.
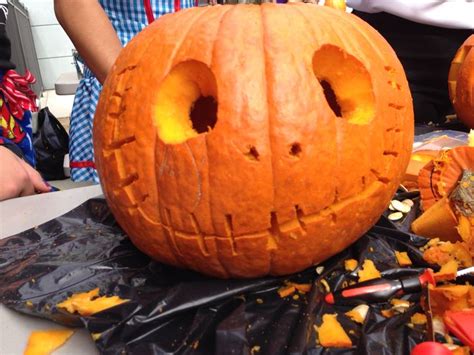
<point x="90" y="30"/>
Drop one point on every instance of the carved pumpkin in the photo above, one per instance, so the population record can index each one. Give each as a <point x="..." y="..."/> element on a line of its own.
<point x="247" y="140"/>
<point x="461" y="82"/>
<point x="439" y="177"/>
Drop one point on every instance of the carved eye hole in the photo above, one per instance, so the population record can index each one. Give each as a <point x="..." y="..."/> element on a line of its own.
<point x="346" y="84"/>
<point x="186" y="103"/>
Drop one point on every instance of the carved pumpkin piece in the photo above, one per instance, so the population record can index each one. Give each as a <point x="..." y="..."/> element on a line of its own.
<point x="247" y="140"/>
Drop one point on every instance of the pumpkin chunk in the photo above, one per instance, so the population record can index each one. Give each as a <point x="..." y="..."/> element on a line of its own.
<point x="403" y="259"/>
<point x="88" y="303"/>
<point x="331" y="334"/>
<point x="451" y="297"/>
<point x="448" y="271"/>
<point x="303" y="288"/>
<point x="368" y="271"/>
<point x="358" y="313"/>
<point x="44" y="342"/>
<point x="286" y="291"/>
<point x="440" y="253"/>
<point x="350" y="264"/>
<point x="418" y="319"/>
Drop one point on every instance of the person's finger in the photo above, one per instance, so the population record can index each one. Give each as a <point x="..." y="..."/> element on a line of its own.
<point x="27" y="187"/>
<point x="39" y="184"/>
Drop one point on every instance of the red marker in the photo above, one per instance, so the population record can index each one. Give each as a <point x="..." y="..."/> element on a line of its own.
<point x="380" y="290"/>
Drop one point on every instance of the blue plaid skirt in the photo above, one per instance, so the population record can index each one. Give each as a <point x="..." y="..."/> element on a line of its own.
<point x="128" y="18"/>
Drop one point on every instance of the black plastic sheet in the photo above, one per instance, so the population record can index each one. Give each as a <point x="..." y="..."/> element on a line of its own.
<point x="178" y="311"/>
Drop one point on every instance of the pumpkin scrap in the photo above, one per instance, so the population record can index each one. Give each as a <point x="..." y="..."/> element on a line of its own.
<point x="387" y="313"/>
<point x="255" y="349"/>
<point x="448" y="271"/>
<point x="89" y="303"/>
<point x="438" y="221"/>
<point x="286" y="291"/>
<point x="399" y="306"/>
<point x="331" y="334"/>
<point x="350" y="264"/>
<point x="418" y="319"/>
<point x="403" y="259"/>
<point x="466" y="231"/>
<point x="368" y="271"/>
<point x="450" y="297"/>
<point x="44" y="342"/>
<point x="358" y="313"/>
<point x="303" y="288"/>
<point x="442" y="252"/>
<point x="398" y="302"/>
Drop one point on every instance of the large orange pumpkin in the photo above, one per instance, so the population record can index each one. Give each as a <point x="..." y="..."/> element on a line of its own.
<point x="461" y="82"/>
<point x="247" y="140"/>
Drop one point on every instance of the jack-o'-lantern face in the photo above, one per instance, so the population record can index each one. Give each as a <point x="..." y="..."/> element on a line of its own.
<point x="247" y="140"/>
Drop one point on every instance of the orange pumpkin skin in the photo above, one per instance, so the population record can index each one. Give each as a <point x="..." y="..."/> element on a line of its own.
<point x="461" y="82"/>
<point x="280" y="183"/>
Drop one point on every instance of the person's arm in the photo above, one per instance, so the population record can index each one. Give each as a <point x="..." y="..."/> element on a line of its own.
<point x="90" y="30"/>
<point x="449" y="14"/>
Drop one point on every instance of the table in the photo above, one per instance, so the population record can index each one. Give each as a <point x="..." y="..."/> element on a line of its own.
<point x="29" y="212"/>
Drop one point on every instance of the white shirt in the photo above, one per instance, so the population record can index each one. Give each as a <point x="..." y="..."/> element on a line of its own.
<point x="449" y="13"/>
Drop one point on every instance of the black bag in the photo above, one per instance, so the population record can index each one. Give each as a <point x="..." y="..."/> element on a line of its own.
<point x="51" y="143"/>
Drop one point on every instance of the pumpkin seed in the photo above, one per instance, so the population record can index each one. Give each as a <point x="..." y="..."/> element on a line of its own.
<point x="408" y="202"/>
<point x="395" y="216"/>
<point x="400" y="206"/>
<point x="319" y="270"/>
<point x="326" y="285"/>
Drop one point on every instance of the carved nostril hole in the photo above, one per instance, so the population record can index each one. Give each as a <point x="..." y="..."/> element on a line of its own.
<point x="295" y="150"/>
<point x="252" y="153"/>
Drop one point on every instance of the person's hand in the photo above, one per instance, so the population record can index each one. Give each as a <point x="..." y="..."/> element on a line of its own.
<point x="17" y="177"/>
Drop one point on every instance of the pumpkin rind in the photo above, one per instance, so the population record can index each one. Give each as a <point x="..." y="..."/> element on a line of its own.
<point x="461" y="82"/>
<point x="313" y="183"/>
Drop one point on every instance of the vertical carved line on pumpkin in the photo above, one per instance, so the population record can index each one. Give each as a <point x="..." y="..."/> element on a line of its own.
<point x="199" y="235"/>
<point x="274" y="233"/>
<point x="199" y="178"/>
<point x="300" y="219"/>
<point x="229" y="229"/>
<point x="172" y="236"/>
